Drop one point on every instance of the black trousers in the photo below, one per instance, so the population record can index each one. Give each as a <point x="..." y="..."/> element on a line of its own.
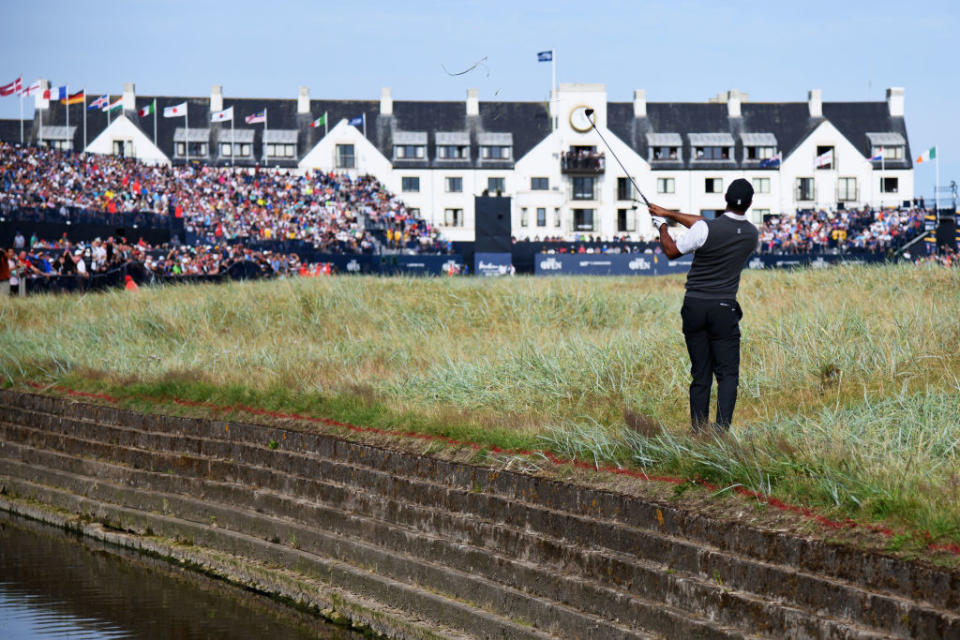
<point x="711" y="329"/>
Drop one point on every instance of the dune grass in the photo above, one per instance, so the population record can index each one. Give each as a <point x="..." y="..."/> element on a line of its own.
<point x="850" y="377"/>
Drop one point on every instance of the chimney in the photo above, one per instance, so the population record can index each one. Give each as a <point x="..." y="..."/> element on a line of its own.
<point x="216" y="97"/>
<point x="38" y="100"/>
<point x="473" y="103"/>
<point x="386" y="102"/>
<point x="303" y="100"/>
<point x="815" y="102"/>
<point x="640" y="103"/>
<point x="895" y="101"/>
<point x="734" y="100"/>
<point x="129" y="97"/>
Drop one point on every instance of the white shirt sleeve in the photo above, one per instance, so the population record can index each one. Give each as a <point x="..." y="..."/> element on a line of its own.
<point x="694" y="238"/>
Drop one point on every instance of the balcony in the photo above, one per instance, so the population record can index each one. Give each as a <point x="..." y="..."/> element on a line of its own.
<point x="582" y="162"/>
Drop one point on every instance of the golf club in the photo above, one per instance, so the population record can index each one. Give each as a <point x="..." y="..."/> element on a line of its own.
<point x="589" y="112"/>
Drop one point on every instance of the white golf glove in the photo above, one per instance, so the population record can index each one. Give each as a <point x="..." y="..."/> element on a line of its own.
<point x="658" y="222"/>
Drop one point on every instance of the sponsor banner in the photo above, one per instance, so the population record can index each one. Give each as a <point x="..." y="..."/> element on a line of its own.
<point x="491" y="264"/>
<point x="350" y="264"/>
<point x="608" y="264"/>
<point x="806" y="260"/>
<point x="431" y="265"/>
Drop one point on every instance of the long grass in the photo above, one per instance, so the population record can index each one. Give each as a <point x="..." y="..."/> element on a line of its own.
<point x="849" y="394"/>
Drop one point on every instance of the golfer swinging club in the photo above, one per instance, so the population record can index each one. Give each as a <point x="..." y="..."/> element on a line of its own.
<point x="710" y="312"/>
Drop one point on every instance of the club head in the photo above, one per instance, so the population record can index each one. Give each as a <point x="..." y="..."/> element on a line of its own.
<point x="589" y="112"/>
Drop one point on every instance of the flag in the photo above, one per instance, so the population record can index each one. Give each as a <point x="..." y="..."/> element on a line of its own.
<point x="545" y="56"/>
<point x="877" y="154"/>
<point x="222" y="116"/>
<point x="319" y="122"/>
<point x="78" y="98"/>
<point x="55" y="94"/>
<point x="32" y="89"/>
<point x="259" y="116"/>
<point x="115" y="105"/>
<point x="147" y="110"/>
<point x="772" y="162"/>
<point x="825" y="159"/>
<point x="928" y="155"/>
<point x="175" y="111"/>
<point x="14" y="87"/>
<point x="356" y="122"/>
<point x="100" y="103"/>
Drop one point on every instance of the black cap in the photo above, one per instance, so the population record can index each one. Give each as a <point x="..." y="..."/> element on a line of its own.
<point x="739" y="193"/>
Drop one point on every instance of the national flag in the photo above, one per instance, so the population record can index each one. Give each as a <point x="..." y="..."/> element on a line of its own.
<point x="825" y="159"/>
<point x="545" y="56"/>
<point x="32" y="89"/>
<point x="14" y="87"/>
<point x="100" y="103"/>
<point x="175" y="111"/>
<point x="356" y="122"/>
<point x="877" y="154"/>
<point x="928" y="155"/>
<point x="55" y="94"/>
<point x="116" y="105"/>
<point x="78" y="98"/>
<point x="147" y="110"/>
<point x="222" y="116"/>
<point x="319" y="122"/>
<point x="772" y="162"/>
<point x="259" y="116"/>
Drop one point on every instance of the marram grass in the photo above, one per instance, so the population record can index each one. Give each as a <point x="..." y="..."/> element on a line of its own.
<point x="849" y="391"/>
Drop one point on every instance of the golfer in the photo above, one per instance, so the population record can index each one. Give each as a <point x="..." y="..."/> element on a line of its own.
<point x="710" y="312"/>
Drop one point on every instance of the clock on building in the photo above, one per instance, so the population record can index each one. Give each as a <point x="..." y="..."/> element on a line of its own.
<point x="579" y="119"/>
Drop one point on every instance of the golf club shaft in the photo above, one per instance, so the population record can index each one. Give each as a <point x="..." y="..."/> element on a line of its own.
<point x="610" y="149"/>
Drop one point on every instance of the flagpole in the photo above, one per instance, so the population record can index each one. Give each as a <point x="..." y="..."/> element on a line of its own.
<point x="265" y="125"/>
<point x="883" y="168"/>
<point x="84" y="119"/>
<point x="154" y="122"/>
<point x="21" y="117"/>
<point x="364" y="114"/>
<point x="553" y="107"/>
<point x="67" y="101"/>
<point x="936" y="185"/>
<point x="325" y="124"/>
<point x="186" y="125"/>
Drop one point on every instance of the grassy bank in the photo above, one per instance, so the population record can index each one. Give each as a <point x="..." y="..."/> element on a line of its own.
<point x="849" y="393"/>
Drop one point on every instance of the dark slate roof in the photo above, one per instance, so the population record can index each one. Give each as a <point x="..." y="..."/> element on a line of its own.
<point x="790" y="122"/>
<point x="10" y="130"/>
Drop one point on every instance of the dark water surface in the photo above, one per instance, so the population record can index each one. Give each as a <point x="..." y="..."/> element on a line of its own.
<point x="54" y="584"/>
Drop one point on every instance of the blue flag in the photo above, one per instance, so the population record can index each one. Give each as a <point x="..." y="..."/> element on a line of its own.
<point x="772" y="162"/>
<point x="545" y="56"/>
<point x="356" y="122"/>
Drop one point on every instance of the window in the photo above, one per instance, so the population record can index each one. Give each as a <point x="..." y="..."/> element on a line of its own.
<point x="196" y="149"/>
<point x="453" y="217"/>
<point x="889" y="185"/>
<point x="626" y="221"/>
<point x="825" y="158"/>
<point x="524" y="218"/>
<point x="409" y="151"/>
<point x="583" y="219"/>
<point x="541" y="216"/>
<point x="760" y="213"/>
<point x="60" y="145"/>
<point x="890" y="153"/>
<point x="761" y="185"/>
<point x="556" y="217"/>
<point x="345" y="158"/>
<point x="712" y="153"/>
<point x="495" y="153"/>
<point x="666" y="153"/>
<point x="759" y="153"/>
<point x="453" y="152"/>
<point x="410" y="184"/>
<point x="624" y="189"/>
<point x="539" y="184"/>
<point x="666" y="185"/>
<point x="846" y="189"/>
<point x="804" y="189"/>
<point x="241" y="149"/>
<point x="276" y="150"/>
<point x="123" y="148"/>
<point x="583" y="188"/>
<point x="454" y="185"/>
<point x="496" y="185"/>
<point x="713" y="185"/>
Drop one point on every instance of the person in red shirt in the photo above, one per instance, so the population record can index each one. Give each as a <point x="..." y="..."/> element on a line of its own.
<point x="130" y="285"/>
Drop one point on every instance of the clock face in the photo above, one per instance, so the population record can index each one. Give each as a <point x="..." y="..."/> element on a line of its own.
<point x="579" y="119"/>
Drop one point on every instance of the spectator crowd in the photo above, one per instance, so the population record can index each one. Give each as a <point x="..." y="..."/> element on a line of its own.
<point x="845" y="231"/>
<point x="218" y="204"/>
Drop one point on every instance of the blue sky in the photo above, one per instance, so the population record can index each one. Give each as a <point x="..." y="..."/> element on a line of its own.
<point x="677" y="50"/>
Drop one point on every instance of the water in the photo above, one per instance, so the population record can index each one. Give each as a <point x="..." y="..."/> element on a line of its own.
<point x="56" y="585"/>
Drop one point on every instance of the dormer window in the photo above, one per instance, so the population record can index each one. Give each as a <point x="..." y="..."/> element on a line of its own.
<point x="496" y="147"/>
<point x="409" y="145"/>
<point x="665" y="147"/>
<point x="453" y="145"/>
<point x="893" y="145"/>
<point x="712" y="146"/>
<point x="759" y="153"/>
<point x="453" y="152"/>
<point x="493" y="152"/>
<point x="758" y="147"/>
